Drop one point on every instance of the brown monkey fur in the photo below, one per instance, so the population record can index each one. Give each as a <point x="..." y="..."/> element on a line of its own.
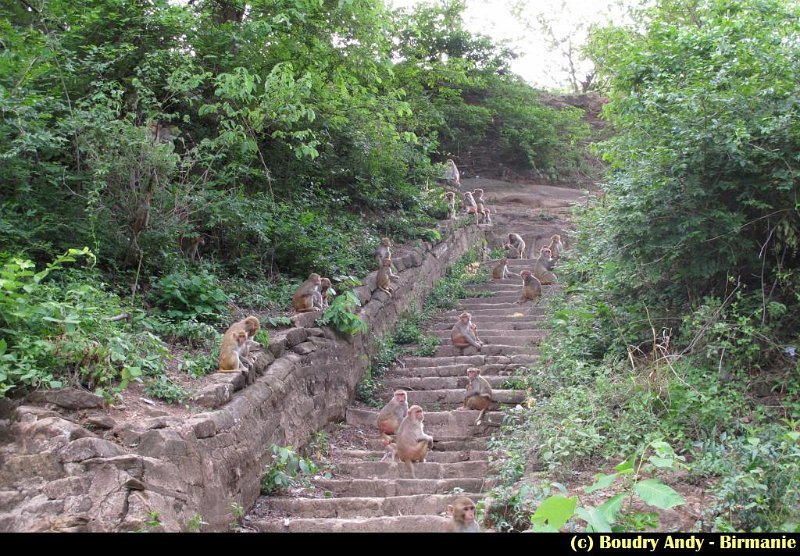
<point x="303" y="298"/>
<point x="411" y="441"/>
<point x="462" y="513"/>
<point x="393" y="413"/>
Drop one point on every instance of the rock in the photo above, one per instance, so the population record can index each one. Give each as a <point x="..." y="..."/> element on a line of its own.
<point x="50" y="434"/>
<point x="214" y="395"/>
<point x="315" y="332"/>
<point x="364" y="294"/>
<point x="277" y="346"/>
<point x="203" y="427"/>
<point x="101" y="421"/>
<point x="296" y="336"/>
<point x="305" y="348"/>
<point x="88" y="448"/>
<point x="162" y="443"/>
<point x="236" y="380"/>
<point x="305" y="320"/>
<point x="68" y="398"/>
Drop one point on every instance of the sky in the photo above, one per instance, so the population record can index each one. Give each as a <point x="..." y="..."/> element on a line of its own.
<point x="537" y="64"/>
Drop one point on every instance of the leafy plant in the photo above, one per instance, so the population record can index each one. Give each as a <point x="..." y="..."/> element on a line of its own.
<point x="285" y="470"/>
<point x="554" y="511"/>
<point x="163" y="388"/>
<point x="196" y="296"/>
<point x="341" y="314"/>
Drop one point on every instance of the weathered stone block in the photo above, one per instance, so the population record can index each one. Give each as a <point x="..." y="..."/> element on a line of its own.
<point x="305" y="348"/>
<point x="87" y="448"/>
<point x="296" y="336"/>
<point x="68" y="398"/>
<point x="213" y="395"/>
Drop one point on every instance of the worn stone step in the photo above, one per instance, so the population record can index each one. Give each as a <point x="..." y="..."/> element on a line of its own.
<point x="415" y="385"/>
<point x="449" y="424"/>
<point x="506" y="323"/>
<point x="404" y="373"/>
<point x="454" y="397"/>
<point x="493" y="336"/>
<point x="383" y="470"/>
<point x="361" y="507"/>
<point x="450" y="456"/>
<point x="396" y="524"/>
<point x="474" y="360"/>
<point x="487" y="349"/>
<point x="400" y="486"/>
<point x="514" y="311"/>
<point x="443" y="445"/>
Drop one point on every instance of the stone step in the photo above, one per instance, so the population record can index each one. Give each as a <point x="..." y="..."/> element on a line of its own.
<point x="388" y="470"/>
<point x="491" y="335"/>
<point x="509" y="306"/>
<point x="397" y="524"/>
<point x="400" y="486"/>
<point x="361" y="507"/>
<point x="450" y="456"/>
<point x="517" y="311"/>
<point x="454" y="397"/>
<point x="507" y="323"/>
<point x="523" y="320"/>
<point x="487" y="350"/>
<point x="443" y="444"/>
<point x="401" y="374"/>
<point x="415" y="385"/>
<point x="439" y="424"/>
<point x="474" y="360"/>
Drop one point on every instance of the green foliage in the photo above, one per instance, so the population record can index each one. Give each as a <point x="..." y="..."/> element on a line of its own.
<point x="554" y="511"/>
<point x="759" y="478"/>
<point x="195" y="524"/>
<point x="60" y="332"/>
<point x="189" y="332"/>
<point x="427" y="346"/>
<point x="196" y="296"/>
<point x="341" y="314"/>
<point x="368" y="389"/>
<point x="286" y="469"/>
<point x="163" y="388"/>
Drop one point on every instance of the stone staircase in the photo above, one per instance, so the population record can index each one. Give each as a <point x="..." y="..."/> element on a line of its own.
<point x="369" y="495"/>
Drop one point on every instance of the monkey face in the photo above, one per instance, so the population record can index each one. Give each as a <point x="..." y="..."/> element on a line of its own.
<point x="400" y="397"/>
<point x="419" y="415"/>
<point x="472" y="373"/>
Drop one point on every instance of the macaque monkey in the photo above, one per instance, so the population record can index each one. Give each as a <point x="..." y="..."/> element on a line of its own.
<point x="384" y="252"/>
<point x="384" y="276"/>
<point x="465" y="333"/>
<point x="250" y="326"/>
<point x="479" y="394"/>
<point x="477" y="194"/>
<point x="303" y="299"/>
<point x="324" y="286"/>
<point x="517" y="241"/>
<point x="531" y="287"/>
<point x="161" y="133"/>
<point x="501" y="272"/>
<point x="230" y="353"/>
<point x="393" y="413"/>
<point x="389" y="451"/>
<point x="484" y="252"/>
<point x="451" y="174"/>
<point x="556" y="247"/>
<point x="469" y="204"/>
<point x="412" y="442"/>
<point x="545" y="255"/>
<point x="511" y="251"/>
<point x="190" y="245"/>
<point x="462" y="512"/>
<point x="540" y="269"/>
<point x="451" y="205"/>
<point x="484" y="214"/>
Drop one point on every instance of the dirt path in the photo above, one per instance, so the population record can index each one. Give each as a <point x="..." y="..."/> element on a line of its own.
<point x="366" y="494"/>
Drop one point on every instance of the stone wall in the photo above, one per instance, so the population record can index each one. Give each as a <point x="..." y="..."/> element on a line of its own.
<point x="57" y="475"/>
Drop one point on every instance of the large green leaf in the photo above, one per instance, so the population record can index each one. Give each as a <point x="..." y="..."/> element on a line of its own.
<point x="597" y="522"/>
<point x="610" y="508"/>
<point x="553" y="513"/>
<point x="656" y="493"/>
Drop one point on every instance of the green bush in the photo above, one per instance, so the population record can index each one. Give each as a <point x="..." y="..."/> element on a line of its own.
<point x="184" y="296"/>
